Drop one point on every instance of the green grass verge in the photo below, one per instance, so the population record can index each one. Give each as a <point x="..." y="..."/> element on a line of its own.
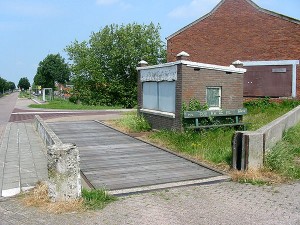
<point x="284" y="158"/>
<point x="65" y="104"/>
<point x="213" y="145"/>
<point x="262" y="112"/>
<point x="96" y="199"/>
<point x="131" y="122"/>
<point x="24" y="94"/>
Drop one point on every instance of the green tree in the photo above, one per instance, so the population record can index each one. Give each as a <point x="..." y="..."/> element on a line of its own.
<point x="11" y="85"/>
<point x="104" y="68"/>
<point x="24" y="83"/>
<point x="52" y="69"/>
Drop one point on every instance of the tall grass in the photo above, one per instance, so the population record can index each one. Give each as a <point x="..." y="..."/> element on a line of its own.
<point x="131" y="122"/>
<point x="213" y="145"/>
<point x="284" y="158"/>
<point x="264" y="111"/>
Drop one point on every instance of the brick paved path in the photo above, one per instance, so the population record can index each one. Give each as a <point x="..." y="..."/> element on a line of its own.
<point x="222" y="203"/>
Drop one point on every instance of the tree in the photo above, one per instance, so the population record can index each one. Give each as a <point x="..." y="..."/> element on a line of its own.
<point x="24" y="83"/>
<point x="11" y="85"/>
<point x="104" y="68"/>
<point x="52" y="69"/>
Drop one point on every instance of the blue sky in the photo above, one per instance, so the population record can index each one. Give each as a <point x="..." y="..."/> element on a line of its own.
<point x="32" y="29"/>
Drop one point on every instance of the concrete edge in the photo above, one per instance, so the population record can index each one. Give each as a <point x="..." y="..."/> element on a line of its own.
<point x="204" y="181"/>
<point x="45" y="132"/>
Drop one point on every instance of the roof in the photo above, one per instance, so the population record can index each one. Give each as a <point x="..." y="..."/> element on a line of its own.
<point x="231" y="68"/>
<point x="290" y="19"/>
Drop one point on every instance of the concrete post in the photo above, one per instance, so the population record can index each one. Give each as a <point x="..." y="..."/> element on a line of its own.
<point x="63" y="172"/>
<point x="182" y="56"/>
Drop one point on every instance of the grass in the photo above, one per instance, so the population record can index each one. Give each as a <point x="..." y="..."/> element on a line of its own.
<point x="212" y="146"/>
<point x="24" y="94"/>
<point x="90" y="200"/>
<point x="284" y="158"/>
<point x="263" y="111"/>
<point x="132" y="123"/>
<point x="96" y="199"/>
<point x="65" y="104"/>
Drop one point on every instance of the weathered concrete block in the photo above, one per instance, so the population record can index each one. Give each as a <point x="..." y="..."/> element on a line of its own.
<point x="255" y="150"/>
<point x="63" y="172"/>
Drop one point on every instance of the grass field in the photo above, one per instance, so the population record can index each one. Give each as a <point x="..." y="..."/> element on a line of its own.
<point x="65" y="104"/>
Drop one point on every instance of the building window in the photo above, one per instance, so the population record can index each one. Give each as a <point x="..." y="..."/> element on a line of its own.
<point x="213" y="97"/>
<point x="159" y="96"/>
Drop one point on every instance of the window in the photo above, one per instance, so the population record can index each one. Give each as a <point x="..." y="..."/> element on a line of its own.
<point x="159" y="96"/>
<point x="213" y="97"/>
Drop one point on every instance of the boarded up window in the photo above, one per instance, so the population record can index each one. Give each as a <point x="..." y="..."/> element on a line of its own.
<point x="150" y="95"/>
<point x="166" y="100"/>
<point x="159" y="96"/>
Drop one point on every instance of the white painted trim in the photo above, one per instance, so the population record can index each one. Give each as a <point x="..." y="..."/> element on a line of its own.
<point x="11" y="192"/>
<point x="197" y="65"/>
<point x="294" y="80"/>
<point x="271" y="63"/>
<point x="158" y="113"/>
<point x="293" y="63"/>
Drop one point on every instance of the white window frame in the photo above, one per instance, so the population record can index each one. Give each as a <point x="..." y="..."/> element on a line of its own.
<point x="220" y="97"/>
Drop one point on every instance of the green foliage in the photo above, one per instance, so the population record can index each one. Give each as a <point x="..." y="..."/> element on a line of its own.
<point x="104" y="68"/>
<point x="284" y="158"/>
<point x="52" y="69"/>
<point x="212" y="145"/>
<point x="263" y="111"/>
<point x="65" y="104"/>
<point x="6" y="85"/>
<point x="24" y="83"/>
<point x="134" y="123"/>
<point x="24" y="94"/>
<point x="96" y="199"/>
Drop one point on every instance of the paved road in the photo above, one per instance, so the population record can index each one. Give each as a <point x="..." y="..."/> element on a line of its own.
<point x="7" y="104"/>
<point x="223" y="203"/>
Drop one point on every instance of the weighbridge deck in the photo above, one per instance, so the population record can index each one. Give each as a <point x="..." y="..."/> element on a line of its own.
<point x="116" y="161"/>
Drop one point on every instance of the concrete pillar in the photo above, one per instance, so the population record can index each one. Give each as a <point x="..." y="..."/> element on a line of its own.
<point x="182" y="56"/>
<point x="238" y="64"/>
<point x="63" y="172"/>
<point x="142" y="63"/>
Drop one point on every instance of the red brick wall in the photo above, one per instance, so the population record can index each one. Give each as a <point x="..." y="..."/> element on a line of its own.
<point x="194" y="85"/>
<point x="238" y="31"/>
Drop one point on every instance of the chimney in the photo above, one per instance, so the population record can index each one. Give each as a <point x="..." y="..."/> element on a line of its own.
<point x="182" y="56"/>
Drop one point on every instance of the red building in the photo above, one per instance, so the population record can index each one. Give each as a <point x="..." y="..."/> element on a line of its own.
<point x="266" y="42"/>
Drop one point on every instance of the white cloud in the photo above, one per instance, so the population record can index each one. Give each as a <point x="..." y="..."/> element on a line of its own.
<point x="196" y="8"/>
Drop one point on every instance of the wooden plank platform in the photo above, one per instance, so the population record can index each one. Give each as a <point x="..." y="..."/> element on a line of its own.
<point x="117" y="161"/>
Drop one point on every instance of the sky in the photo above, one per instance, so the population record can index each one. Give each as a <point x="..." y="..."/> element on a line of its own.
<point x="32" y="29"/>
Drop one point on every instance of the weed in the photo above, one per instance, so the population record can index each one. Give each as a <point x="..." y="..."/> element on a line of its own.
<point x="96" y="199"/>
<point x="132" y="122"/>
<point x="38" y="197"/>
<point x="212" y="145"/>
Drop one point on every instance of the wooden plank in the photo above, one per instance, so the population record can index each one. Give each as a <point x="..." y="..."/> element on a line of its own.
<point x="118" y="161"/>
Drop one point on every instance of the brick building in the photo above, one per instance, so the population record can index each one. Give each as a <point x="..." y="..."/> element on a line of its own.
<point x="163" y="88"/>
<point x="266" y="42"/>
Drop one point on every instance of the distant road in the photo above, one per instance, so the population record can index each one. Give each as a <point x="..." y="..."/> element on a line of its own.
<point x="7" y="105"/>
